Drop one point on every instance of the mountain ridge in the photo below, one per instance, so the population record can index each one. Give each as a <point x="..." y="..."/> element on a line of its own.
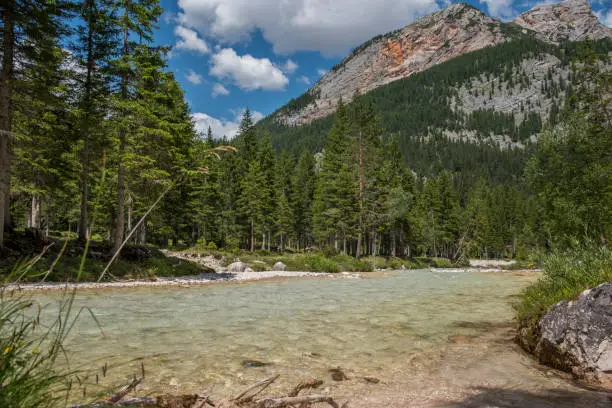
<point x="429" y="41"/>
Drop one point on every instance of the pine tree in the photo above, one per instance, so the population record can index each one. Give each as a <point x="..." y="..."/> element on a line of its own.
<point x="303" y="183"/>
<point x="253" y="198"/>
<point x="137" y="18"/>
<point x="29" y="33"/>
<point x="94" y="47"/>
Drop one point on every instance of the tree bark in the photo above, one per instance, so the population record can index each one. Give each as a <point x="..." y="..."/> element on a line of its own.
<point x="6" y="113"/>
<point x="120" y="217"/>
<point x="83" y="220"/>
<point x="35" y="212"/>
<point x="361" y="194"/>
<point x="252" y="236"/>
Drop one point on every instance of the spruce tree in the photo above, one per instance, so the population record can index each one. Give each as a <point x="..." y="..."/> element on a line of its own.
<point x="136" y="19"/>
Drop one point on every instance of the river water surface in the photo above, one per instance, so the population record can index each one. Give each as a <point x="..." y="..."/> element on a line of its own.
<point x="433" y="338"/>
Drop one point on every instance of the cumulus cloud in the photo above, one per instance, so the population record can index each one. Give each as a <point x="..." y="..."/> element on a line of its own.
<point x="321" y="71"/>
<point x="304" y="79"/>
<point x="329" y="26"/>
<point x="605" y="16"/>
<point x="189" y="40"/>
<point x="289" y="67"/>
<point x="500" y="8"/>
<point x="246" y="71"/>
<point x="194" y="77"/>
<point x="219" y="89"/>
<point x="222" y="126"/>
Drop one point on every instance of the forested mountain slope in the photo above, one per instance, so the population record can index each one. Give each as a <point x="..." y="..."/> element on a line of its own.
<point x="432" y="40"/>
<point x="456" y="115"/>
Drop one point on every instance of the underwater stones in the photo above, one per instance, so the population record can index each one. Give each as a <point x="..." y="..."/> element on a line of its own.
<point x="254" y="364"/>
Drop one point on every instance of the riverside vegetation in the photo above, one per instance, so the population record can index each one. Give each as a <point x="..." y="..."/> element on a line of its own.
<point x="109" y="150"/>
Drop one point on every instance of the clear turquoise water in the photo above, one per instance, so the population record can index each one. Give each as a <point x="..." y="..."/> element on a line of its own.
<point x="431" y="337"/>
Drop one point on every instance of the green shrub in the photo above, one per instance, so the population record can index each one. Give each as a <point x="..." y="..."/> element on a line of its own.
<point x="318" y="263"/>
<point x="566" y="275"/>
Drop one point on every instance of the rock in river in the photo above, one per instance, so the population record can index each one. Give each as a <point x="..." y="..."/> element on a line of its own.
<point x="576" y="336"/>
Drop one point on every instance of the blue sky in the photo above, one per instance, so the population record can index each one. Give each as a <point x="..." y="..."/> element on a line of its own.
<point x="232" y="54"/>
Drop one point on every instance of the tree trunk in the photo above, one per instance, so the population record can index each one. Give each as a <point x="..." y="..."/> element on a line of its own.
<point x="34" y="220"/>
<point x="252" y="236"/>
<point x="6" y="113"/>
<point x="393" y="249"/>
<point x="361" y="194"/>
<point x="83" y="220"/>
<point x="120" y="220"/>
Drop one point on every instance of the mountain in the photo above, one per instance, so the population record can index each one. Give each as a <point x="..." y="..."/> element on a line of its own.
<point x="571" y="20"/>
<point x="432" y="40"/>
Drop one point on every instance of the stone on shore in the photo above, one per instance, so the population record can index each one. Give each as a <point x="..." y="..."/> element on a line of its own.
<point x="576" y="336"/>
<point x="237" y="267"/>
<point x="279" y="267"/>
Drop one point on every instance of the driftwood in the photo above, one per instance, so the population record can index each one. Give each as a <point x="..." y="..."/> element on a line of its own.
<point x="246" y="399"/>
<point x="125" y="391"/>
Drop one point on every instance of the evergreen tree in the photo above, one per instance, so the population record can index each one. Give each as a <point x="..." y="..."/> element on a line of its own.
<point x="136" y="18"/>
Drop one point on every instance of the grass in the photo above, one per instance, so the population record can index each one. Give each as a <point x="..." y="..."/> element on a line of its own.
<point x="68" y="266"/>
<point x="566" y="275"/>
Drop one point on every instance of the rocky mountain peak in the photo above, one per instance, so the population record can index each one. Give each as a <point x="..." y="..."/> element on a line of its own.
<point x="431" y="40"/>
<point x="569" y="20"/>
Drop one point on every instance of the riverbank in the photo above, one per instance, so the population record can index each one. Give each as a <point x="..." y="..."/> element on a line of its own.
<point x="181" y="281"/>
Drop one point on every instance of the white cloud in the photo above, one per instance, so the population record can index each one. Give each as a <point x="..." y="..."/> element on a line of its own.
<point x="194" y="77"/>
<point x="289" y="67"/>
<point x="246" y="71"/>
<point x="221" y="127"/>
<point x="219" y="89"/>
<point x="190" y="41"/>
<point x="500" y="8"/>
<point x="329" y="26"/>
<point x="305" y="80"/>
<point x="321" y="71"/>
<point x="605" y="16"/>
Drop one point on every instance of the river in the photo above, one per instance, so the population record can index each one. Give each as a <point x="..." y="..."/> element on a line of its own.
<point x="433" y="338"/>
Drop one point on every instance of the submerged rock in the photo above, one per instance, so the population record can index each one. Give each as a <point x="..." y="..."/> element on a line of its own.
<point x="237" y="267"/>
<point x="279" y="266"/>
<point x="576" y="336"/>
<point x="254" y="364"/>
<point x="337" y="374"/>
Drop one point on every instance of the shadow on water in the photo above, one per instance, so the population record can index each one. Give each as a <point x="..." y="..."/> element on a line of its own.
<point x="552" y="398"/>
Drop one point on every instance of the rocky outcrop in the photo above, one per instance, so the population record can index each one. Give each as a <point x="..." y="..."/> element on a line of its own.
<point x="279" y="266"/>
<point x="569" y="20"/>
<point x="431" y="40"/>
<point x="576" y="336"/>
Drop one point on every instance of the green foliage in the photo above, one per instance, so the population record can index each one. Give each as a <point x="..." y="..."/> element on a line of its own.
<point x="566" y="274"/>
<point x="27" y="362"/>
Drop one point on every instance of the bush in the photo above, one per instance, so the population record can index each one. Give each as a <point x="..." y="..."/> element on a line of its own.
<point x="318" y="263"/>
<point x="566" y="275"/>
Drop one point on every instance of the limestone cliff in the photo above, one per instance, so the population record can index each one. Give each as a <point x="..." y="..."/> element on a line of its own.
<point x="431" y="40"/>
<point x="570" y="20"/>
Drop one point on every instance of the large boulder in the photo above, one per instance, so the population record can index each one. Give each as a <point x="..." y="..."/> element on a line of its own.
<point x="237" y="267"/>
<point x="576" y="336"/>
<point x="279" y="267"/>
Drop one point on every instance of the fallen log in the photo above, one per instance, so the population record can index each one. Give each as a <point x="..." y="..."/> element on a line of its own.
<point x="246" y="399"/>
